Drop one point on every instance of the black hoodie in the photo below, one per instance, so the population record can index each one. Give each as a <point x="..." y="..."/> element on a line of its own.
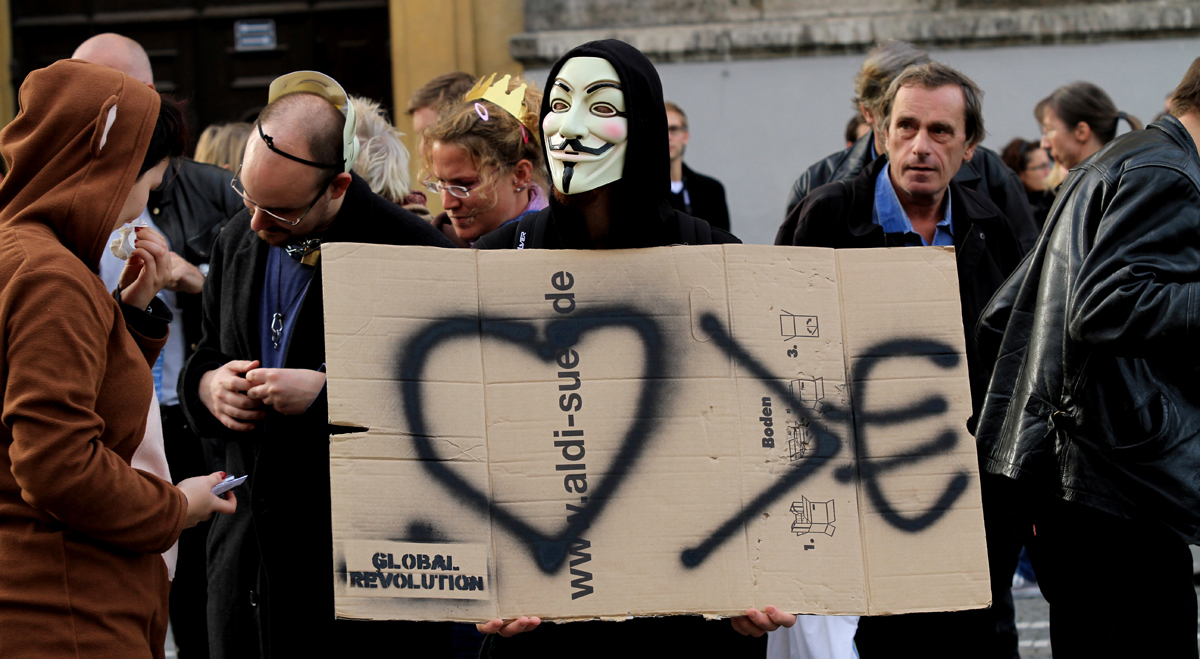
<point x="640" y="215"/>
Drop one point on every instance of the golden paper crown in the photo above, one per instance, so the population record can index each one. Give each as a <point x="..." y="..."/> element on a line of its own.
<point x="512" y="102"/>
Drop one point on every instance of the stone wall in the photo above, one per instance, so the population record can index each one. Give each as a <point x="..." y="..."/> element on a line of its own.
<point x="708" y="30"/>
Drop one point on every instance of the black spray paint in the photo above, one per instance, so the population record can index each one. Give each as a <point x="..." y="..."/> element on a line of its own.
<point x="549" y="552"/>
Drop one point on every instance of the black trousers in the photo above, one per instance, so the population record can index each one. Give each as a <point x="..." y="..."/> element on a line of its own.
<point x="1116" y="587"/>
<point x="189" y="590"/>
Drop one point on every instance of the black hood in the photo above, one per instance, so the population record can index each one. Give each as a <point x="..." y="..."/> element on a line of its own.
<point x="639" y="207"/>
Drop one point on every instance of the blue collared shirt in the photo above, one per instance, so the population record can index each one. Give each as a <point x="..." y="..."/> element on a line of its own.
<point x="889" y="214"/>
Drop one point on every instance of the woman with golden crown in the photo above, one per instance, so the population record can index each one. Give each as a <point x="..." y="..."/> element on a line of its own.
<point x="484" y="157"/>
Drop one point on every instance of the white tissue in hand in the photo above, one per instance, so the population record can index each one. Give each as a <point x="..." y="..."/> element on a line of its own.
<point x="122" y="245"/>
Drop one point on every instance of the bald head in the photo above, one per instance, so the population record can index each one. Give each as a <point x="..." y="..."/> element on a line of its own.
<point x="307" y="121"/>
<point x="117" y="52"/>
<point x="303" y="126"/>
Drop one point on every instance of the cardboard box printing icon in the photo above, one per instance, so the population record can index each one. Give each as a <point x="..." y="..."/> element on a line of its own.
<point x="813" y="517"/>
<point x="582" y="435"/>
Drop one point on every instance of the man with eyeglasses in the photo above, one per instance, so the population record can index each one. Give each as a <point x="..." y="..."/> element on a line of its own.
<point x="692" y="193"/>
<point x="257" y="377"/>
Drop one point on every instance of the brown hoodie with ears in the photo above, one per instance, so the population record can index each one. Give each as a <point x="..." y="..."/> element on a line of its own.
<point x="79" y="527"/>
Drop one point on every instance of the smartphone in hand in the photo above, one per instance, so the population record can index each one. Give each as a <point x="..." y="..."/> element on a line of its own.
<point x="228" y="484"/>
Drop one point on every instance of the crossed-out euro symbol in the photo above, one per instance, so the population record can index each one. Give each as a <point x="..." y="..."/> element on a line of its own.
<point x="827" y="445"/>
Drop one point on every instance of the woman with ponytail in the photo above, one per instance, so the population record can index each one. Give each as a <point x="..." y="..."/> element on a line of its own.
<point x="1078" y="120"/>
<point x="484" y="157"/>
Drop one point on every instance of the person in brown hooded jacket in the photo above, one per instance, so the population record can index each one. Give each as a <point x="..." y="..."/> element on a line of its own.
<point x="79" y="527"/>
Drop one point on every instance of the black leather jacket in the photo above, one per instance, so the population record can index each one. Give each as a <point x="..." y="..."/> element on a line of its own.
<point x="191" y="207"/>
<point x="985" y="173"/>
<point x="1095" y="393"/>
<point x="843" y="165"/>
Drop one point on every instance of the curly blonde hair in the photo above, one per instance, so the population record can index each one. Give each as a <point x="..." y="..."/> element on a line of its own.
<point x="885" y="61"/>
<point x="495" y="145"/>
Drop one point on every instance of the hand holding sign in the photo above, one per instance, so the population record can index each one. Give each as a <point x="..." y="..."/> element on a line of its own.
<point x="756" y="623"/>
<point x="511" y="628"/>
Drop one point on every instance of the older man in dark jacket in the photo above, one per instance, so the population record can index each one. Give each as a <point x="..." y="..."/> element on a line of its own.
<point x="933" y="121"/>
<point x="1093" y="407"/>
<point x="983" y="172"/>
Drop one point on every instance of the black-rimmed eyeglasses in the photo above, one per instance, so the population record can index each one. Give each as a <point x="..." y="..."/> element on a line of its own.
<point x="236" y="184"/>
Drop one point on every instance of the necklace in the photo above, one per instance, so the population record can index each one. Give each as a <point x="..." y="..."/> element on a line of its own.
<point x="277" y="317"/>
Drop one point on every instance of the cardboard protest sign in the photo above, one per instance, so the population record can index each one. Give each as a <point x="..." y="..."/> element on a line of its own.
<point x="576" y="434"/>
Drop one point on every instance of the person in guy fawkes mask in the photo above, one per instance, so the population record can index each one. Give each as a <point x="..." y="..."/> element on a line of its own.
<point x="605" y="140"/>
<point x="605" y="137"/>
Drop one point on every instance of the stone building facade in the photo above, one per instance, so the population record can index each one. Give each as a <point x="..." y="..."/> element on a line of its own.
<point x="706" y="30"/>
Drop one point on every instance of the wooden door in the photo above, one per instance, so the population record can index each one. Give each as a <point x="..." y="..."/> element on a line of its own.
<point x="192" y="47"/>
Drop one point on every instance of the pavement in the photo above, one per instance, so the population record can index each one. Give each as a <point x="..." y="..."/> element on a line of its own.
<point x="1033" y="624"/>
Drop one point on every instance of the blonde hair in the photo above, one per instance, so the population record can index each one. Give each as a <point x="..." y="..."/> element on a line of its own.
<point x="223" y="145"/>
<point x="497" y="144"/>
<point x="671" y="107"/>
<point x="383" y="159"/>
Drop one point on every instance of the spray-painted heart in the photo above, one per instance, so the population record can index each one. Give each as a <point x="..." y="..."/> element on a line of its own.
<point x="549" y="552"/>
